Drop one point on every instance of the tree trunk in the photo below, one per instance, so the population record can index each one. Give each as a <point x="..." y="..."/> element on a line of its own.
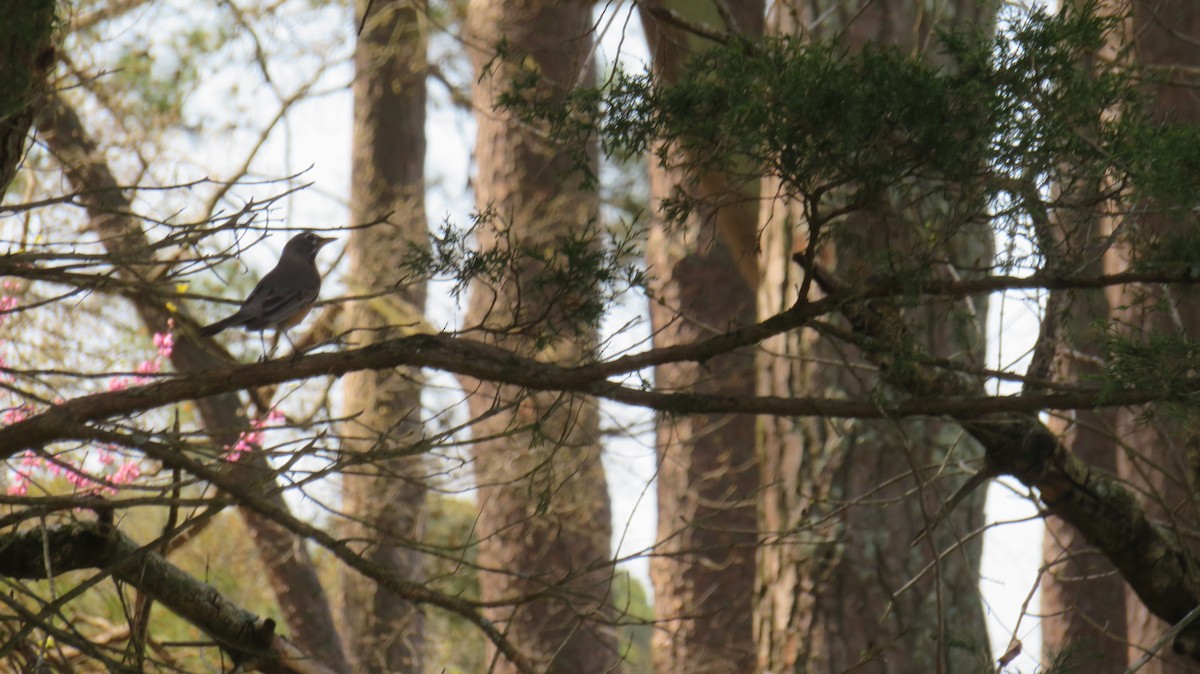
<point x="26" y="57"/>
<point x="703" y="569"/>
<point x="1083" y="597"/>
<point x="544" y="527"/>
<point x="841" y="501"/>
<point x="383" y="498"/>
<point x="1161" y="456"/>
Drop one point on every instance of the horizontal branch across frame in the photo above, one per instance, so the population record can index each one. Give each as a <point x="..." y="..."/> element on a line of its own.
<point x="472" y="359"/>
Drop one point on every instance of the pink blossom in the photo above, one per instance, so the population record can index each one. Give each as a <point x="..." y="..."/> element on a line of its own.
<point x="20" y="484"/>
<point x="127" y="473"/>
<point x="81" y="481"/>
<point x="146" y="367"/>
<point x="165" y="343"/>
<point x="7" y="304"/>
<point x="234" y="453"/>
<point x="14" y="415"/>
<point x="248" y="440"/>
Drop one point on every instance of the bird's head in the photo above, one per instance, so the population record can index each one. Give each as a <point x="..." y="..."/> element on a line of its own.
<point x="306" y="244"/>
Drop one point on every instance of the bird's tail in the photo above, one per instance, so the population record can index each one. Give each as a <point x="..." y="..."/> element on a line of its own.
<point x="228" y="322"/>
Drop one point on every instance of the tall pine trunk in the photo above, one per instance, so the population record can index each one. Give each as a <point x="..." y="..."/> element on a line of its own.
<point x="383" y="498"/>
<point x="1160" y="455"/>
<point x="544" y="527"/>
<point x="1083" y="597"/>
<point x="703" y="284"/>
<point x="841" y="501"/>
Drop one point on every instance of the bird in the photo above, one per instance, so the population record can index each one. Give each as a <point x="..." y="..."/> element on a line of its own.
<point x="285" y="295"/>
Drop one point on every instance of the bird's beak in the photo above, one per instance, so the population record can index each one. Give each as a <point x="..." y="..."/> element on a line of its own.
<point x="323" y="240"/>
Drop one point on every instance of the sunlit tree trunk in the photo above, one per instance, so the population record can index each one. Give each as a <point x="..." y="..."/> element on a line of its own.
<point x="383" y="497"/>
<point x="703" y="271"/>
<point x="841" y="501"/>
<point x="544" y="527"/>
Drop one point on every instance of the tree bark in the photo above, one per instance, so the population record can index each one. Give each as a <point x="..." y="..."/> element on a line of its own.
<point x="544" y="528"/>
<point x="1160" y="457"/>
<point x="841" y="500"/>
<point x="1083" y="598"/>
<point x="26" y="58"/>
<point x="384" y="498"/>
<point x="703" y="569"/>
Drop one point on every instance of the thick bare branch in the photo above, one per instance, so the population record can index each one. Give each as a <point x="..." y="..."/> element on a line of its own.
<point x="465" y="357"/>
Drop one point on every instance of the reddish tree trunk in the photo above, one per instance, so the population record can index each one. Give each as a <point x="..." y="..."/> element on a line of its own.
<point x="1161" y="458"/>
<point x="841" y="501"/>
<point x="544" y="528"/>
<point x="704" y="271"/>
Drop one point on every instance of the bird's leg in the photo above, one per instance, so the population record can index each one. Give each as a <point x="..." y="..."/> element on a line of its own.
<point x="296" y="352"/>
<point x="274" y="345"/>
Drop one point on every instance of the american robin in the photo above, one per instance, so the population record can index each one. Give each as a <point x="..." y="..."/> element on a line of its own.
<point x="285" y="295"/>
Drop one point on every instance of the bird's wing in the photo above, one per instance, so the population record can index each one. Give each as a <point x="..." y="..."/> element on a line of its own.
<point x="273" y="300"/>
<point x="279" y="307"/>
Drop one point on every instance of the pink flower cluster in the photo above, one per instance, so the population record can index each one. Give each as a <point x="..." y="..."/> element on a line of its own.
<point x="8" y="301"/>
<point x="126" y="472"/>
<point x="253" y="438"/>
<point x="114" y="470"/>
<point x="14" y="415"/>
<point x="164" y="343"/>
<point x="8" y="304"/>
